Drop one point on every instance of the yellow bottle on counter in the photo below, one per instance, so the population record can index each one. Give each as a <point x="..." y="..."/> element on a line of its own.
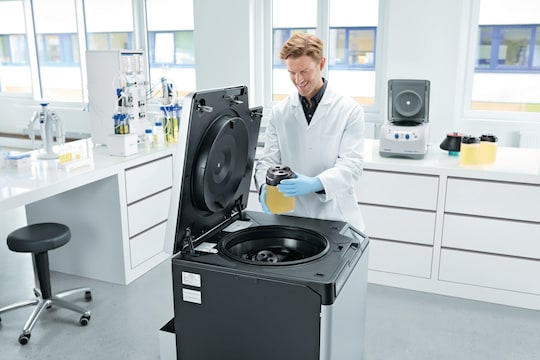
<point x="276" y="202"/>
<point x="488" y="149"/>
<point x="469" y="151"/>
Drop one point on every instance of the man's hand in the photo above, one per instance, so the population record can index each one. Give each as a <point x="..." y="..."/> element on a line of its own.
<point x="300" y="185"/>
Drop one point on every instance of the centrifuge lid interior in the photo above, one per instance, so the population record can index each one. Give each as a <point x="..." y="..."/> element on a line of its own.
<point x="220" y="143"/>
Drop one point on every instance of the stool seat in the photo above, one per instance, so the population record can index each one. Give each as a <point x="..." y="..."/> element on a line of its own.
<point x="37" y="238"/>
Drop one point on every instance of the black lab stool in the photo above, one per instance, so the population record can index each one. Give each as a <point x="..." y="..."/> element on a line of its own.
<point x="38" y="239"/>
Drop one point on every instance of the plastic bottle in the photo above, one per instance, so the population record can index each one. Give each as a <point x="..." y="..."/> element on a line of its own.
<point x="159" y="134"/>
<point x="488" y="149"/>
<point x="469" y="151"/>
<point x="148" y="139"/>
<point x="275" y="200"/>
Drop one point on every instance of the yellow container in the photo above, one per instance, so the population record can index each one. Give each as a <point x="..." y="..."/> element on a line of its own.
<point x="276" y="202"/>
<point x="488" y="149"/>
<point x="469" y="151"/>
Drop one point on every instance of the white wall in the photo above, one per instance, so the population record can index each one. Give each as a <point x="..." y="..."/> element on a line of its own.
<point x="222" y="46"/>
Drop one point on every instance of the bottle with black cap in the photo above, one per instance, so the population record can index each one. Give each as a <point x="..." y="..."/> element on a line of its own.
<point x="275" y="200"/>
<point x="488" y="149"/>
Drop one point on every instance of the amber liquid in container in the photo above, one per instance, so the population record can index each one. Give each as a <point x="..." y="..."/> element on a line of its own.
<point x="276" y="202"/>
<point x="488" y="149"/>
<point x="469" y="152"/>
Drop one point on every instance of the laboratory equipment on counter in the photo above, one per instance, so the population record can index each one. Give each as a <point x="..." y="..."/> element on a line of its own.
<point x="116" y="76"/>
<point x="275" y="200"/>
<point x="452" y="143"/>
<point x="50" y="127"/>
<point x="488" y="149"/>
<point x="248" y="285"/>
<point x="469" y="153"/>
<point x="406" y="132"/>
<point x="171" y="114"/>
<point x="159" y="134"/>
<point x="148" y="139"/>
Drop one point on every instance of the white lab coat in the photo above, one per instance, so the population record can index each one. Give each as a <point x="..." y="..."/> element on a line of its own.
<point x="331" y="147"/>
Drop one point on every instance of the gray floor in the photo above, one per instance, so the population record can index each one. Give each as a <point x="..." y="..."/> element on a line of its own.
<point x="401" y="324"/>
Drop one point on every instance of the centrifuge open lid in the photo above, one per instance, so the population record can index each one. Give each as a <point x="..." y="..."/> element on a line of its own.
<point x="213" y="163"/>
<point x="212" y="175"/>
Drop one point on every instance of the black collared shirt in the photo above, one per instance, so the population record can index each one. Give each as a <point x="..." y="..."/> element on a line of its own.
<point x="309" y="111"/>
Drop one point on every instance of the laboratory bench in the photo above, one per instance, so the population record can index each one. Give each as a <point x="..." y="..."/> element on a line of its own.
<point x="471" y="231"/>
<point x="116" y="207"/>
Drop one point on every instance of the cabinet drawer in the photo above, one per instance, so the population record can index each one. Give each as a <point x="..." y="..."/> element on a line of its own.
<point x="400" y="258"/>
<point x="494" y="199"/>
<point x="414" y="226"/>
<point x="504" y="237"/>
<point x="397" y="189"/>
<point x="493" y="271"/>
<point x="148" y="212"/>
<point x="149" y="178"/>
<point x="147" y="244"/>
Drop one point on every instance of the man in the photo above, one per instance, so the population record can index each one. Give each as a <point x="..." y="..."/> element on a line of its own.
<point x="319" y="134"/>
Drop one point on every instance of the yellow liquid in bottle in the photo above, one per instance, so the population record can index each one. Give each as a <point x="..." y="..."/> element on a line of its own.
<point x="487" y="152"/>
<point x="277" y="203"/>
<point x="469" y="154"/>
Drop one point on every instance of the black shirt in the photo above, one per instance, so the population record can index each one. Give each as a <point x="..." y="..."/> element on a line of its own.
<point x="309" y="111"/>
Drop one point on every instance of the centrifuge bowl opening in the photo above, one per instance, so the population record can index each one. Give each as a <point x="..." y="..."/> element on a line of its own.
<point x="274" y="245"/>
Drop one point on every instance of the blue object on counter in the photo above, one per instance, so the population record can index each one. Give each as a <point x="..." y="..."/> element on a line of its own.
<point x="18" y="156"/>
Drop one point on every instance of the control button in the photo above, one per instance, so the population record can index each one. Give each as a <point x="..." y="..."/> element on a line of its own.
<point x="407" y="136"/>
<point x="396" y="136"/>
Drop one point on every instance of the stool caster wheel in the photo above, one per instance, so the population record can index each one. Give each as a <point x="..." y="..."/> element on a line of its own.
<point x="24" y="339"/>
<point x="88" y="295"/>
<point x="84" y="320"/>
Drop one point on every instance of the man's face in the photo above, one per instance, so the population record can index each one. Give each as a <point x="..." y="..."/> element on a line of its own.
<point x="306" y="74"/>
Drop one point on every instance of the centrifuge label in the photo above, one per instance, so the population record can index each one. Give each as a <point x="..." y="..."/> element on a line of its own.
<point x="193" y="296"/>
<point x="191" y="279"/>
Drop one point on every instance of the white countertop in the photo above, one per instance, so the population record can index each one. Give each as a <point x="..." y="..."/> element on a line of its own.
<point x="44" y="178"/>
<point x="512" y="164"/>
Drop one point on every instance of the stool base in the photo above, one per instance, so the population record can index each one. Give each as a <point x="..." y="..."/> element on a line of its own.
<point x="56" y="300"/>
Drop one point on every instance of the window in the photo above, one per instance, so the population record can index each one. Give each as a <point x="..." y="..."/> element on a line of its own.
<point x="506" y="76"/>
<point x="58" y="49"/>
<point x="289" y="17"/>
<point x="509" y="48"/>
<point x="351" y="45"/>
<point x="109" y="24"/>
<point x="15" y="74"/>
<point x="174" y="48"/>
<point x="352" y="48"/>
<point x="171" y="46"/>
<point x="353" y="31"/>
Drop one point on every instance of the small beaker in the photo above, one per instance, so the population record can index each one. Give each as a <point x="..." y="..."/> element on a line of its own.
<point x="276" y="202"/>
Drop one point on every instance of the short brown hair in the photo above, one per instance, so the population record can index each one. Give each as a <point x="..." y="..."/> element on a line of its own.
<point x="301" y="44"/>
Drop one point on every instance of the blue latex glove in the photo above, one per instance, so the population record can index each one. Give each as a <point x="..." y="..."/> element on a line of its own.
<point x="300" y="185"/>
<point x="262" y="200"/>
